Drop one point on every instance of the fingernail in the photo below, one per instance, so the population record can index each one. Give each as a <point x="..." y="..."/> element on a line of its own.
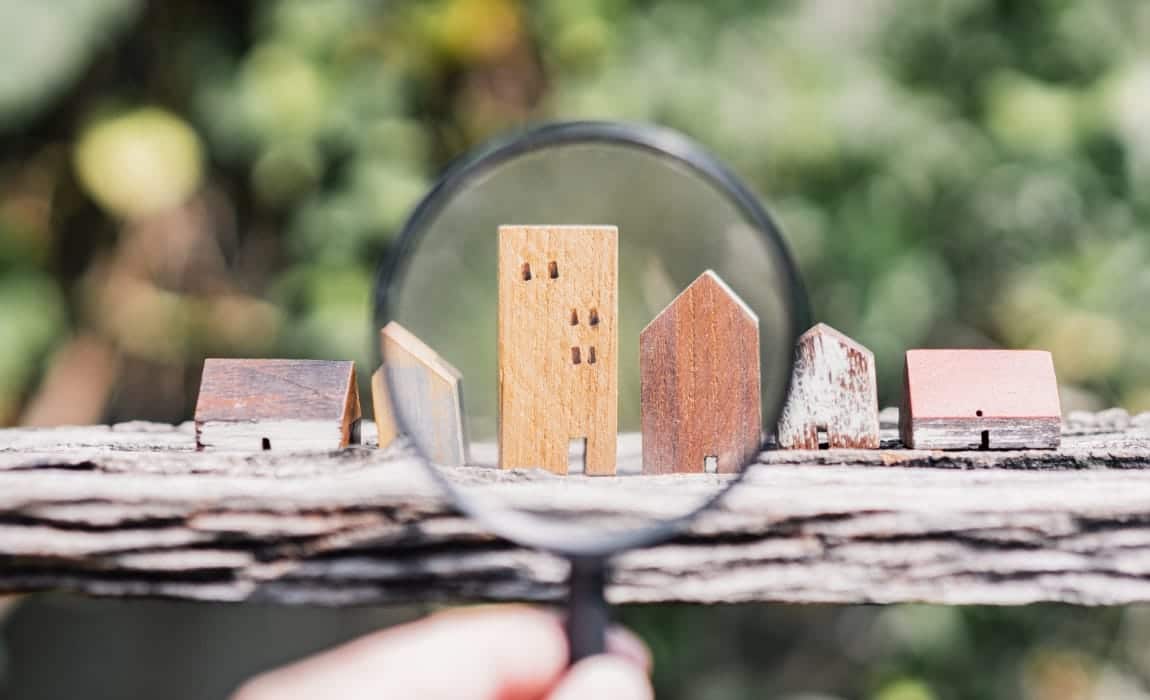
<point x="604" y="677"/>
<point x="624" y="643"/>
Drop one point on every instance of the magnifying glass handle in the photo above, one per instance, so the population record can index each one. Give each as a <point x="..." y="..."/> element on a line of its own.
<point x="587" y="616"/>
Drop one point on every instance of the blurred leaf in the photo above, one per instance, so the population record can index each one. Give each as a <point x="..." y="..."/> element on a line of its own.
<point x="283" y="93"/>
<point x="906" y="690"/>
<point x="139" y="162"/>
<point x="285" y="171"/>
<point x="45" y="45"/>
<point x="33" y="318"/>
<point x="473" y="30"/>
<point x="1032" y="116"/>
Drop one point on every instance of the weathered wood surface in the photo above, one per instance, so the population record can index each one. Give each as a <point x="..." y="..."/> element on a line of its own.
<point x="833" y="390"/>
<point x="133" y="510"/>
<point x="558" y="346"/>
<point x="699" y="363"/>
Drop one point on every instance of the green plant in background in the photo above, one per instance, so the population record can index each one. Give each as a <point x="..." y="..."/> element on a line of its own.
<point x="926" y="163"/>
<point x="43" y="48"/>
<point x="184" y="178"/>
<point x="970" y="175"/>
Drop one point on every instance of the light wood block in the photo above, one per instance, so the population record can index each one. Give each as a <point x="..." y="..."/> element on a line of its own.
<point x="277" y="405"/>
<point x="426" y="398"/>
<point x="833" y="399"/>
<point x="558" y="346"/>
<point x="699" y="361"/>
<point x="980" y="399"/>
<point x="385" y="426"/>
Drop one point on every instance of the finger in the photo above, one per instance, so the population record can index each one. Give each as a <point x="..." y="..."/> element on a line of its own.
<point x="623" y="642"/>
<point x="489" y="653"/>
<point x="607" y="677"/>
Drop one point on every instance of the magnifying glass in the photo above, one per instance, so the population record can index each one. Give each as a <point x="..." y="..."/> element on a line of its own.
<point x="578" y="311"/>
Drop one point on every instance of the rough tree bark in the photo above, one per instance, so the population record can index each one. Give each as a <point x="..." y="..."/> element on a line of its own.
<point x="132" y="510"/>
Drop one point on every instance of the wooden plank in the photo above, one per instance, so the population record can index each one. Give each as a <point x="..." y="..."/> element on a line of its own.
<point x="277" y="404"/>
<point x="385" y="426"/>
<point x="558" y="346"/>
<point x="134" y="510"/>
<point x="699" y="366"/>
<point x="833" y="391"/>
<point x="425" y="401"/>
<point x="971" y="399"/>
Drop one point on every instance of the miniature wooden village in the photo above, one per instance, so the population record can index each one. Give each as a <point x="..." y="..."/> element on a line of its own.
<point x="558" y="381"/>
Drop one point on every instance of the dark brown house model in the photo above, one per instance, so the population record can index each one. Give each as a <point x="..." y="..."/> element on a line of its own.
<point x="277" y="405"/>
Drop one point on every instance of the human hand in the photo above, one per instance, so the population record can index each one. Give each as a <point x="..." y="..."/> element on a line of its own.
<point x="485" y="653"/>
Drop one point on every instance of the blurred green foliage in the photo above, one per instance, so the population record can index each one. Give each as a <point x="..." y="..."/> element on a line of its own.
<point x="181" y="178"/>
<point x="970" y="173"/>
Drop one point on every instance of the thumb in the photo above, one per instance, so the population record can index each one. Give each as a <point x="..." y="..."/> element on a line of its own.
<point x="604" y="677"/>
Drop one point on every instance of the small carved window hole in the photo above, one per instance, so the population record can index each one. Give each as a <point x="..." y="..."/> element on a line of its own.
<point x="978" y="413"/>
<point x="577" y="456"/>
<point x="266" y="444"/>
<point x="985" y="445"/>
<point x="823" y="439"/>
<point x="593" y="317"/>
<point x="591" y="355"/>
<point x="576" y="356"/>
<point x="574" y="317"/>
<point x="553" y="270"/>
<point x="711" y="464"/>
<point x="526" y="272"/>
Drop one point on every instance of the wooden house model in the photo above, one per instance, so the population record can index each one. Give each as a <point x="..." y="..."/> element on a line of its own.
<point x="277" y="405"/>
<point x="699" y="361"/>
<point x="980" y="399"/>
<point x="833" y="399"/>
<point x="417" y="393"/>
<point x="558" y="345"/>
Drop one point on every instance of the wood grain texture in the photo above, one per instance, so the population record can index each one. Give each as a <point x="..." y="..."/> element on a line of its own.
<point x="833" y="391"/>
<point x="558" y="346"/>
<point x="422" y="395"/>
<point x="133" y="510"/>
<point x="699" y="365"/>
<point x="386" y="429"/>
<point x="255" y="404"/>
<point x="971" y="399"/>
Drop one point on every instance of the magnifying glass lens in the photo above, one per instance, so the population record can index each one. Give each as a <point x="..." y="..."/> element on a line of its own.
<point x="531" y="273"/>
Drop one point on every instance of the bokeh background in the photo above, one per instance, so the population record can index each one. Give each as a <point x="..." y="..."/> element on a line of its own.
<point x="181" y="179"/>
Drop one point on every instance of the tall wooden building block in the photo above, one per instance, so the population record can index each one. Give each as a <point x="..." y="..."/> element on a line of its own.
<point x="558" y="346"/>
<point x="277" y="405"/>
<point x="699" y="361"/>
<point x="972" y="399"/>
<point x="419" y="394"/>
<point x="833" y="398"/>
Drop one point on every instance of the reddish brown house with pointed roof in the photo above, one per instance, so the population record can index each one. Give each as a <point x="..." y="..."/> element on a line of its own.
<point x="699" y="360"/>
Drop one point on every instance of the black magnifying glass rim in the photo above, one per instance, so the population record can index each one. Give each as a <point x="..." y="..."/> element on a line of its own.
<point x="521" y="527"/>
